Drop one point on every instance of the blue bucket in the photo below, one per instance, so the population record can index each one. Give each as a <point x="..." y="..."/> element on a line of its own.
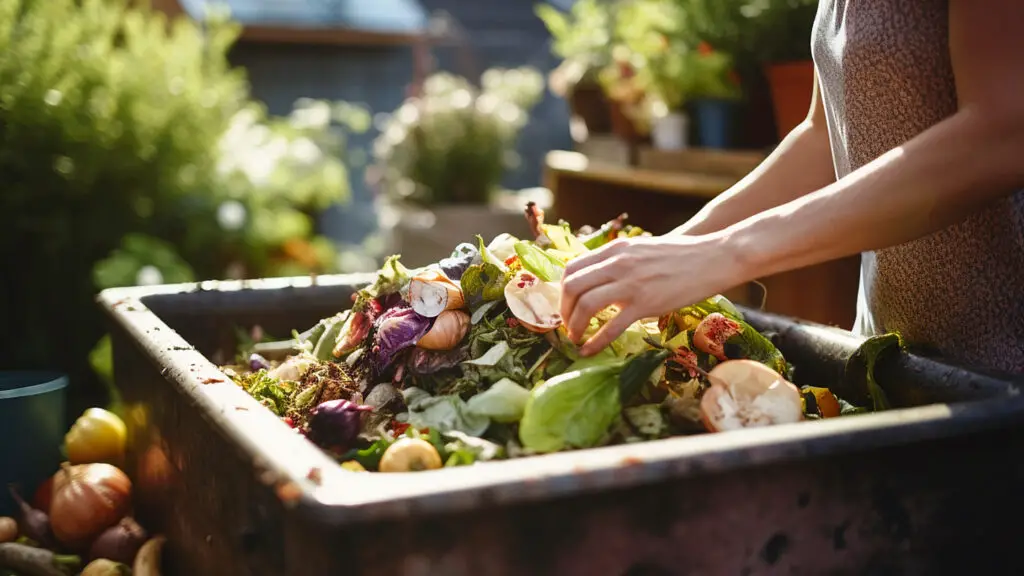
<point x="32" y="425"/>
<point x="716" y="122"/>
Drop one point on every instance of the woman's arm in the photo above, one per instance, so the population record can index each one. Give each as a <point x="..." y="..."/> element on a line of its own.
<point x="938" y="178"/>
<point x="801" y="164"/>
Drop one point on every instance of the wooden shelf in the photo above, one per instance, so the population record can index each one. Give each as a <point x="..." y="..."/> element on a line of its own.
<point x="578" y="166"/>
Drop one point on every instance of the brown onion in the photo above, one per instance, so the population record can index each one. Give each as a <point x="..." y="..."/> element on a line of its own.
<point x="87" y="499"/>
<point x="8" y="529"/>
<point x="450" y="327"/>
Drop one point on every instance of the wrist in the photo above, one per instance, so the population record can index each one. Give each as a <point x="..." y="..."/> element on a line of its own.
<point x="744" y="257"/>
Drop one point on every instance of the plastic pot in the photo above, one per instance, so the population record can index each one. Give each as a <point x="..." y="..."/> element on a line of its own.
<point x="671" y="132"/>
<point x="32" y="413"/>
<point x="716" y="122"/>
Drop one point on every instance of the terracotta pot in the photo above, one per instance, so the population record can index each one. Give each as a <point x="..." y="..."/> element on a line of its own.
<point x="791" y="86"/>
<point x="623" y="126"/>
<point x="588" y="102"/>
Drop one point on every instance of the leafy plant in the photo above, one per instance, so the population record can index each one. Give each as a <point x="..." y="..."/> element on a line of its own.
<point x="452" y="143"/>
<point x="120" y="155"/>
<point x="581" y="38"/>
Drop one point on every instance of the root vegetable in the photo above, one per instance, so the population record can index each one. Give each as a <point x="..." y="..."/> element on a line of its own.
<point x="88" y="499"/>
<point x="449" y="328"/>
<point x="97" y="436"/>
<point x="147" y="561"/>
<point x="712" y="333"/>
<point x="43" y="495"/>
<point x="431" y="293"/>
<point x="119" y="543"/>
<point x="8" y="529"/>
<point x="31" y="561"/>
<point x="32" y="523"/>
<point x="410" y="455"/>
<point x="104" y="567"/>
<point x="748" y="394"/>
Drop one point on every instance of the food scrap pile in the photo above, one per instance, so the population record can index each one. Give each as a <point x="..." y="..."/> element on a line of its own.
<point x="466" y="360"/>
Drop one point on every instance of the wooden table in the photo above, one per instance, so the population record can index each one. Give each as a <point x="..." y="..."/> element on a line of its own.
<point x="588" y="191"/>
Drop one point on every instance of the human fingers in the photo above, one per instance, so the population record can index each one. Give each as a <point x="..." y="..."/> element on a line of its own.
<point x="578" y="283"/>
<point x="593" y="257"/>
<point x="589" y="304"/>
<point x="609" y="332"/>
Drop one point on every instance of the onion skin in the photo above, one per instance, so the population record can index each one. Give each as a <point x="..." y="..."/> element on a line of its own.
<point x="104" y="567"/>
<point x="88" y="499"/>
<point x="119" y="543"/>
<point x="431" y="285"/>
<point x="147" y="561"/>
<point x="448" y="330"/>
<point x="8" y="529"/>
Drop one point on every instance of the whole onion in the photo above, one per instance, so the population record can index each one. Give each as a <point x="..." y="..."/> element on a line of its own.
<point x="87" y="499"/>
<point x="336" y="423"/>
<point x="119" y="543"/>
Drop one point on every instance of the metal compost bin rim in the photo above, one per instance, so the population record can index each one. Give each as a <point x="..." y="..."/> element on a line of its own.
<point x="308" y="480"/>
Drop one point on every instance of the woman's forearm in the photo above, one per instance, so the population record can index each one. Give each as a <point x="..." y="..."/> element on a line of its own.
<point x="801" y="164"/>
<point x="935" y="180"/>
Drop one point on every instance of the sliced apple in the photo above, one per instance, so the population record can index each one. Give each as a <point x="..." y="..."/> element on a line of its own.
<point x="534" y="303"/>
<point x="748" y="394"/>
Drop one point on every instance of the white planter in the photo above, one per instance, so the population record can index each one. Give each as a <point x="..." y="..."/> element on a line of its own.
<point x="670" y="132"/>
<point x="423" y="237"/>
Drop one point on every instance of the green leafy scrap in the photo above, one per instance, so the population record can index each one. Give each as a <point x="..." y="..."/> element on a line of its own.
<point x="866" y="358"/>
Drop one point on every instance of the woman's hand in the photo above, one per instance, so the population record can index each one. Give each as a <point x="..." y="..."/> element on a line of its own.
<point x="644" y="277"/>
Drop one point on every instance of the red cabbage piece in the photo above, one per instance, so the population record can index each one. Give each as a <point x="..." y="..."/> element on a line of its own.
<point x="398" y="328"/>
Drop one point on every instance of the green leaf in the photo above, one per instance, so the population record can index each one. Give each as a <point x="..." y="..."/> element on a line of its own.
<point x="443" y="413"/>
<point x="572" y="410"/>
<point x="866" y="358"/>
<point x="540" y="263"/>
<point x="503" y="402"/>
<point x="638" y="370"/>
<point x="563" y="239"/>
<point x="484" y="282"/>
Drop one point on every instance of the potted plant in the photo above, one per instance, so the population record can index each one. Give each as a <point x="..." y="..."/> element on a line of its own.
<point x="440" y="158"/>
<point x="783" y="40"/>
<point x="581" y="38"/>
<point x="662" y="70"/>
<point x="714" y="96"/>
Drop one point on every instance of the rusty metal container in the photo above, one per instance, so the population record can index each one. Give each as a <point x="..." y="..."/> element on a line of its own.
<point x="932" y="487"/>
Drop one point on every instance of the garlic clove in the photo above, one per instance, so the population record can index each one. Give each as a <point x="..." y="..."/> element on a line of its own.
<point x="748" y="394"/>
<point x="534" y="303"/>
<point x="449" y="328"/>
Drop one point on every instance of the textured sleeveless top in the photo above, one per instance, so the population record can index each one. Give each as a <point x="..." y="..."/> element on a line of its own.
<point x="885" y="73"/>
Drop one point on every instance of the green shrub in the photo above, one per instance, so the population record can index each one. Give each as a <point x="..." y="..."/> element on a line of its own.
<point x="122" y="161"/>
<point x="452" y="143"/>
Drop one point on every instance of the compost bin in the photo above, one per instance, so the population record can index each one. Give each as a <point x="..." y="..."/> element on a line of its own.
<point x="929" y="487"/>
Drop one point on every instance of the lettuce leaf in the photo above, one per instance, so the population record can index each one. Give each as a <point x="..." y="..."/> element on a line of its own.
<point x="537" y="261"/>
